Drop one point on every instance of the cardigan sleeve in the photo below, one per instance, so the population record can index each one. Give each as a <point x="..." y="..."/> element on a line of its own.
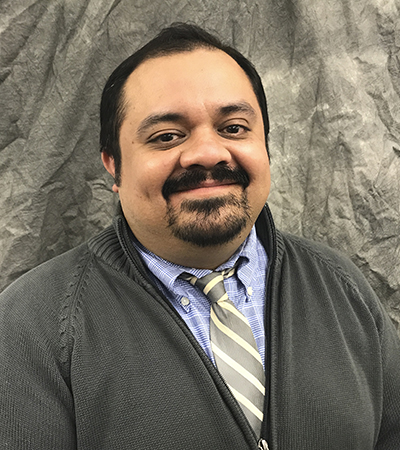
<point x="389" y="435"/>
<point x="383" y="361"/>
<point x="36" y="404"/>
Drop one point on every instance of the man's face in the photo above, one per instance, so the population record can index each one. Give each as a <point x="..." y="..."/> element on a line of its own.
<point x="194" y="166"/>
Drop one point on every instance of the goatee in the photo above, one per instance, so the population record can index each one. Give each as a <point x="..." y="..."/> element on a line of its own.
<point x="210" y="223"/>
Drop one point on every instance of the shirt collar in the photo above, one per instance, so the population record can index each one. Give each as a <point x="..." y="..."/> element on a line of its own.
<point x="167" y="272"/>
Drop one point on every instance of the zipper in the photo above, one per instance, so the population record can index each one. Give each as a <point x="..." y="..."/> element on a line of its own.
<point x="271" y="245"/>
<point x="263" y="445"/>
<point x="123" y="236"/>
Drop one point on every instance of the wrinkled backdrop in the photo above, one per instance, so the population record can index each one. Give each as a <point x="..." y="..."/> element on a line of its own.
<point x="331" y="71"/>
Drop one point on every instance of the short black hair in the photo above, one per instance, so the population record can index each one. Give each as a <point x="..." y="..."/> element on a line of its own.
<point x="177" y="38"/>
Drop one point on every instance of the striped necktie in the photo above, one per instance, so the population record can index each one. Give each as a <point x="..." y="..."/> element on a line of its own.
<point x="234" y="348"/>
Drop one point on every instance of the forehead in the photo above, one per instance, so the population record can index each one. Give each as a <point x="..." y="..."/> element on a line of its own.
<point x="201" y="77"/>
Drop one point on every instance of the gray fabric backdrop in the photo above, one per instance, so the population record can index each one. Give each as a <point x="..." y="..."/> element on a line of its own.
<point x="331" y="71"/>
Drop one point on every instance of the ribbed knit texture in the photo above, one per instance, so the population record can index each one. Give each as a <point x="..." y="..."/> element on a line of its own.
<point x="92" y="357"/>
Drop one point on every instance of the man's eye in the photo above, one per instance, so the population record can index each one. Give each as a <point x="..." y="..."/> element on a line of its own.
<point x="235" y="129"/>
<point x="165" y="138"/>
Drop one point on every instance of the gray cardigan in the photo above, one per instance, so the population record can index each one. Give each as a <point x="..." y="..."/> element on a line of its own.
<point x="92" y="357"/>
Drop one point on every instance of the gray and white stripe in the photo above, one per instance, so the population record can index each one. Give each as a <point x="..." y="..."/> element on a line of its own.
<point x="234" y="348"/>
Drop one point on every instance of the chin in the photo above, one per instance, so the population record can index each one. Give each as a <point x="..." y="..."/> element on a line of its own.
<point x="210" y="222"/>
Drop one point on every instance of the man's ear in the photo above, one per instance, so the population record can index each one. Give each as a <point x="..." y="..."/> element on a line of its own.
<point x="109" y="164"/>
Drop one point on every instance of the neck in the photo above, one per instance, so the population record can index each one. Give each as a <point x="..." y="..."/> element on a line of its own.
<point x="190" y="255"/>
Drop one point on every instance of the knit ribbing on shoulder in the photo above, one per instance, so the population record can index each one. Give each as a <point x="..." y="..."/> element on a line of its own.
<point x="107" y="247"/>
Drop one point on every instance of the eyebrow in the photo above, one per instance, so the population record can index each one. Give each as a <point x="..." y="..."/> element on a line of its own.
<point x="155" y="119"/>
<point x="237" y="107"/>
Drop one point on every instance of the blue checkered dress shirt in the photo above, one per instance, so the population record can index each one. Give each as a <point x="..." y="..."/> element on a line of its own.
<point x="246" y="289"/>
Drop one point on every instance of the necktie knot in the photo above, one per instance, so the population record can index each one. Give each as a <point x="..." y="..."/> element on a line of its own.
<point x="212" y="285"/>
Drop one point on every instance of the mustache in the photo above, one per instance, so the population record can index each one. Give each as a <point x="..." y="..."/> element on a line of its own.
<point x="193" y="177"/>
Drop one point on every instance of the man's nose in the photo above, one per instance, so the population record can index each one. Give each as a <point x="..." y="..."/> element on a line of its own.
<point x="206" y="150"/>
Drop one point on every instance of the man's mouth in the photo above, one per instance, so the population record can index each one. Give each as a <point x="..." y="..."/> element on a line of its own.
<point x="207" y="184"/>
<point x="205" y="179"/>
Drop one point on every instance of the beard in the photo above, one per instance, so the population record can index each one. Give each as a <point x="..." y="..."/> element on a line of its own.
<point x="210" y="222"/>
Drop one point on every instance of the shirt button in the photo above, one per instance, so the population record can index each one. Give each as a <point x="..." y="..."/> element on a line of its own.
<point x="250" y="290"/>
<point x="185" y="301"/>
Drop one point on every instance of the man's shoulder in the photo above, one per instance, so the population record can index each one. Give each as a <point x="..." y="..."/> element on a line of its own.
<point x="329" y="264"/>
<point x="318" y="251"/>
<point x="289" y="249"/>
<point x="54" y="277"/>
<point x="40" y="303"/>
<point x="51" y="276"/>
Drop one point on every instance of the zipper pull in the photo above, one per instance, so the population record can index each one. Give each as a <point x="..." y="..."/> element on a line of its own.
<point x="263" y="445"/>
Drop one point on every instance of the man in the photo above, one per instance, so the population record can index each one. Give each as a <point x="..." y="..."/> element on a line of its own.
<point x="119" y="344"/>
